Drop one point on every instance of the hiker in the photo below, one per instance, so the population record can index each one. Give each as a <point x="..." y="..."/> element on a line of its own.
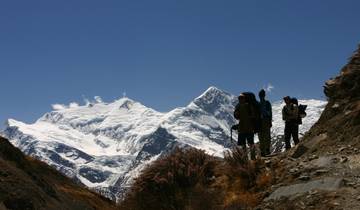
<point x="266" y="124"/>
<point x="246" y="114"/>
<point x="290" y="114"/>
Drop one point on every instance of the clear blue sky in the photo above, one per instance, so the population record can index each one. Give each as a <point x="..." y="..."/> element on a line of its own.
<point x="165" y="53"/>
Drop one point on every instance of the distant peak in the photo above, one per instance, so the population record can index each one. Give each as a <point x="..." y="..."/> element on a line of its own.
<point x="212" y="98"/>
<point x="125" y="103"/>
<point x="11" y="122"/>
<point x="124" y="100"/>
<point x="212" y="88"/>
<point x="7" y="123"/>
<point x="212" y="91"/>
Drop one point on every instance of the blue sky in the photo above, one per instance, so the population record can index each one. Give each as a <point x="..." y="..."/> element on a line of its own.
<point x="164" y="53"/>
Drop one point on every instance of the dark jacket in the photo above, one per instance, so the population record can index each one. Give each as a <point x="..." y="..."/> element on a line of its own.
<point x="265" y="109"/>
<point x="246" y="115"/>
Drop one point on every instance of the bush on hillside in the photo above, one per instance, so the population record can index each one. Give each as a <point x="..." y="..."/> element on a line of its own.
<point x="180" y="180"/>
<point x="244" y="180"/>
<point x="190" y="179"/>
<point x="239" y="166"/>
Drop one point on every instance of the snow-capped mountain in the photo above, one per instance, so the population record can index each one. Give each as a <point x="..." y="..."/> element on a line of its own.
<point x="105" y="145"/>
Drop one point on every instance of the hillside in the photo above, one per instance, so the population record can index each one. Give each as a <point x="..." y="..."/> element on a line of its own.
<point x="106" y="145"/>
<point x="26" y="184"/>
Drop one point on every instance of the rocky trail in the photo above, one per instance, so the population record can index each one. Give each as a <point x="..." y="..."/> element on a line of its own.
<point x="328" y="181"/>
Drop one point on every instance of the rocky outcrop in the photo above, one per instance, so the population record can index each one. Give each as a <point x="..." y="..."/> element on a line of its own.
<point x="341" y="117"/>
<point x="340" y="121"/>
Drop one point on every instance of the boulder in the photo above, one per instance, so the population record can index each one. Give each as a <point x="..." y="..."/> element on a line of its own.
<point x="328" y="184"/>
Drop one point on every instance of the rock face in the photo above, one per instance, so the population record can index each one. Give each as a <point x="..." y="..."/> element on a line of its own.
<point x="341" y="117"/>
<point x="106" y="145"/>
<point x="26" y="183"/>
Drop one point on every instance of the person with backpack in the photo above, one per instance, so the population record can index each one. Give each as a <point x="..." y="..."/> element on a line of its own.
<point x="301" y="110"/>
<point x="245" y="112"/>
<point x="266" y="124"/>
<point x="290" y="114"/>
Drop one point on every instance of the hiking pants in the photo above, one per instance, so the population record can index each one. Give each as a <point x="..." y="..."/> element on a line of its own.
<point x="249" y="138"/>
<point x="291" y="130"/>
<point x="245" y="137"/>
<point x="265" y="137"/>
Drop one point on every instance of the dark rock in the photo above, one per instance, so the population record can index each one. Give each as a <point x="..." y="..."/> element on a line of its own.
<point x="321" y="171"/>
<point x="343" y="159"/>
<point x="304" y="178"/>
<point x="299" y="151"/>
<point x="93" y="175"/>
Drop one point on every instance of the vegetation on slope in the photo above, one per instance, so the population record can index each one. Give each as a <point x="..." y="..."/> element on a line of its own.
<point x="191" y="179"/>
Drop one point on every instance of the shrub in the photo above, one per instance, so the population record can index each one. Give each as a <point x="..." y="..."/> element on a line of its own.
<point x="192" y="180"/>
<point x="243" y="180"/>
<point x="240" y="167"/>
<point x="177" y="181"/>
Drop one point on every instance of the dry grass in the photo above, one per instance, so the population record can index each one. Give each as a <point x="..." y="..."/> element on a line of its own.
<point x="244" y="200"/>
<point x="177" y="181"/>
<point x="190" y="179"/>
<point x="79" y="194"/>
<point x="264" y="180"/>
<point x="241" y="168"/>
<point x="244" y="181"/>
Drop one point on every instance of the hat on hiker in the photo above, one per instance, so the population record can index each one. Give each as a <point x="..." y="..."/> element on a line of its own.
<point x="287" y="98"/>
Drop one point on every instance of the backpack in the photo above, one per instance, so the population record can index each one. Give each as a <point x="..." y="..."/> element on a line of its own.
<point x="301" y="108"/>
<point x="294" y="101"/>
<point x="251" y="99"/>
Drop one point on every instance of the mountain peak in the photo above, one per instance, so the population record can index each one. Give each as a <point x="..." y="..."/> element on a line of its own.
<point x="125" y="102"/>
<point x="11" y="122"/>
<point x="213" y="100"/>
<point x="212" y="92"/>
<point x="212" y="88"/>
